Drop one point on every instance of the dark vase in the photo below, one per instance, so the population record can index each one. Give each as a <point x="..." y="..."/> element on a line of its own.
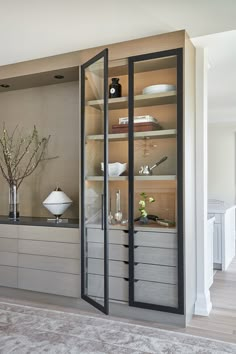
<point x="114" y="88"/>
<point x="13" y="202"/>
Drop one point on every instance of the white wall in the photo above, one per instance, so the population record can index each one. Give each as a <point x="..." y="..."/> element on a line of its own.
<point x="221" y="161"/>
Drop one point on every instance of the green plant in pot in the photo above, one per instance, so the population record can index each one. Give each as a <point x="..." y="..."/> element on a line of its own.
<point x="20" y="155"/>
<point x="145" y="199"/>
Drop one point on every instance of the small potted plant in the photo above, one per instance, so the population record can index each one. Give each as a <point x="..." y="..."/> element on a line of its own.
<point x="145" y="199"/>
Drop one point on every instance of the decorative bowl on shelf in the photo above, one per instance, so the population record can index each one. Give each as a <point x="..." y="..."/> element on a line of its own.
<point x="57" y="202"/>
<point x="158" y="88"/>
<point x="115" y="169"/>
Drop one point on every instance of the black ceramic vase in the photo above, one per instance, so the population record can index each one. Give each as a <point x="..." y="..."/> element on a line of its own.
<point x="114" y="88"/>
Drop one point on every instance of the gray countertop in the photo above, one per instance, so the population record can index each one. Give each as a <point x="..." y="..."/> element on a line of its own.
<point x="39" y="221"/>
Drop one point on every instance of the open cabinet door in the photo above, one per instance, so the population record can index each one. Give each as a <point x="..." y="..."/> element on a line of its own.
<point x="94" y="190"/>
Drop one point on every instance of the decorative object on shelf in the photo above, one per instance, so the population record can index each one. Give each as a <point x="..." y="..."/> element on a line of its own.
<point x="158" y="89"/>
<point x="110" y="216"/>
<point x="118" y="214"/>
<point x="19" y="157"/>
<point x="145" y="170"/>
<point x="115" y="88"/>
<point x="138" y="119"/>
<point x="57" y="203"/>
<point x="143" y="219"/>
<point x="115" y="169"/>
<point x="138" y="127"/>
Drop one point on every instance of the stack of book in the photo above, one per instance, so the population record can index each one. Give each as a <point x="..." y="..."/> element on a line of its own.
<point x="141" y="124"/>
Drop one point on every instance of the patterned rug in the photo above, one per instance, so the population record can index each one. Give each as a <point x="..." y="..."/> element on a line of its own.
<point x="31" y="330"/>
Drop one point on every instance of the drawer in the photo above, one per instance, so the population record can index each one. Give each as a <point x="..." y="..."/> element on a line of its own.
<point x="156" y="293"/>
<point x="43" y="233"/>
<point x="118" y="287"/>
<point x="116" y="268"/>
<point x="56" y="264"/>
<point x="116" y="252"/>
<point x="49" y="282"/>
<point x="155" y="239"/>
<point x="56" y="249"/>
<point x="9" y="231"/>
<point x="160" y="256"/>
<point x="8" y="276"/>
<point x="118" y="237"/>
<point x="150" y="272"/>
<point x="8" y="259"/>
<point x="8" y="244"/>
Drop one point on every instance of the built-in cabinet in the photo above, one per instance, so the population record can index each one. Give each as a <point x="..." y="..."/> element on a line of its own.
<point x="120" y="261"/>
<point x="125" y="267"/>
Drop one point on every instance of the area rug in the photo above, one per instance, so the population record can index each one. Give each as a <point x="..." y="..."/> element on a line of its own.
<point x="31" y="330"/>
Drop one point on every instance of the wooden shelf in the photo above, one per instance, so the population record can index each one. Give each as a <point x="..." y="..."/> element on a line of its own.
<point x="139" y="101"/>
<point x="155" y="134"/>
<point x="136" y="178"/>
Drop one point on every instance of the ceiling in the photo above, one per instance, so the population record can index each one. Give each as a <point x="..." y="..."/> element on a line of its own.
<point x="31" y="29"/>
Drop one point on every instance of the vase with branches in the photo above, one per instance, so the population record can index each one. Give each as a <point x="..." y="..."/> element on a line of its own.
<point x="20" y="155"/>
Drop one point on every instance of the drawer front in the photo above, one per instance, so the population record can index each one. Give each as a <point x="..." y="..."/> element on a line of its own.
<point x="118" y="237"/>
<point x="8" y="259"/>
<point x="56" y="249"/>
<point x="160" y="256"/>
<point x="9" y="231"/>
<point x="156" y="293"/>
<point x="116" y="268"/>
<point x="56" y="264"/>
<point x="8" y="245"/>
<point x="155" y="239"/>
<point x="43" y="233"/>
<point x="150" y="272"/>
<point x="118" y="287"/>
<point x="8" y="276"/>
<point x="116" y="252"/>
<point x="49" y="282"/>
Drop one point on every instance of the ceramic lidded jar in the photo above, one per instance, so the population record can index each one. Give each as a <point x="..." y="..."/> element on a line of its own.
<point x="57" y="202"/>
<point x="114" y="88"/>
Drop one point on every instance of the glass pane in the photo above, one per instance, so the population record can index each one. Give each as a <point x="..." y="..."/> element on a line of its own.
<point x="94" y="182"/>
<point x="155" y="181"/>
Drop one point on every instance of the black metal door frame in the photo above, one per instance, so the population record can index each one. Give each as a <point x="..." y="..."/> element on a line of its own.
<point x="178" y="52"/>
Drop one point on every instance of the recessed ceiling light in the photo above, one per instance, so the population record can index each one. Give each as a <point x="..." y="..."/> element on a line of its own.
<point x="5" y="85"/>
<point x="59" y="77"/>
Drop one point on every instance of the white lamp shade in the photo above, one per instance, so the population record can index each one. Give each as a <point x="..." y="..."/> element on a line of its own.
<point x="57" y="202"/>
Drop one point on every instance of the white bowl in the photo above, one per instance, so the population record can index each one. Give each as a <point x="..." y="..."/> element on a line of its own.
<point x="115" y="169"/>
<point x="158" y="89"/>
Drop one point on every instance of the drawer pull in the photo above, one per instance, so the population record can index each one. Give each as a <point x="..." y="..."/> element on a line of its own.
<point x="126" y="246"/>
<point x="135" y="280"/>
<point x="126" y="279"/>
<point x="126" y="231"/>
<point x="125" y="262"/>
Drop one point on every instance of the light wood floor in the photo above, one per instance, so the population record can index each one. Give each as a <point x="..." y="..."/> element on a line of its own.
<point x="221" y="324"/>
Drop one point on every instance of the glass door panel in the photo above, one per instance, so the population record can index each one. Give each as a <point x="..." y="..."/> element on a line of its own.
<point x="155" y="180"/>
<point x="94" y="209"/>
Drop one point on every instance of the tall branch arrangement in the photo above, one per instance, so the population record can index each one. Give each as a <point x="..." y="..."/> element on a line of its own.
<point x="20" y="155"/>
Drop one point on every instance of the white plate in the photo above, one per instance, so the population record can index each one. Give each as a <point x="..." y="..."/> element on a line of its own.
<point x="158" y="88"/>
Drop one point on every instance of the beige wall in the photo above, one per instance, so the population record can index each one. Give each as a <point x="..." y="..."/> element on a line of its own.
<point x="221" y="161"/>
<point x="54" y="110"/>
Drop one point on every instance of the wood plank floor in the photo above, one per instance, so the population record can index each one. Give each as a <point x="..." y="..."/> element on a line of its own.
<point x="221" y="324"/>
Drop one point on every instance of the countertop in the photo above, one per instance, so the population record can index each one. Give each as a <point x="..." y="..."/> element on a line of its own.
<point x="38" y="221"/>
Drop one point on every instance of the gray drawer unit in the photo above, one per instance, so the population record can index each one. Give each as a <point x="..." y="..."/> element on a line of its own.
<point x="8" y="245"/>
<point x="156" y="273"/>
<point x="44" y="233"/>
<point x="118" y="237"/>
<point x="8" y="259"/>
<point x="8" y="276"/>
<point x="9" y="231"/>
<point x="116" y="252"/>
<point x="156" y="293"/>
<point x="49" y="282"/>
<point x="116" y="268"/>
<point x="160" y="256"/>
<point x="44" y="248"/>
<point x="118" y="287"/>
<point x="155" y="239"/>
<point x="56" y="264"/>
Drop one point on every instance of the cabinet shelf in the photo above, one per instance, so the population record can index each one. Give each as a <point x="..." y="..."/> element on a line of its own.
<point x="140" y="100"/>
<point x="155" y="134"/>
<point x="136" y="178"/>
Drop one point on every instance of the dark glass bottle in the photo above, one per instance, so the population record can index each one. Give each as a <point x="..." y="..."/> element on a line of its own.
<point x="114" y="88"/>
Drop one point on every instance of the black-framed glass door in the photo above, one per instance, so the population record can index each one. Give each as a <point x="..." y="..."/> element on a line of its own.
<point x="94" y="191"/>
<point x="156" y="279"/>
